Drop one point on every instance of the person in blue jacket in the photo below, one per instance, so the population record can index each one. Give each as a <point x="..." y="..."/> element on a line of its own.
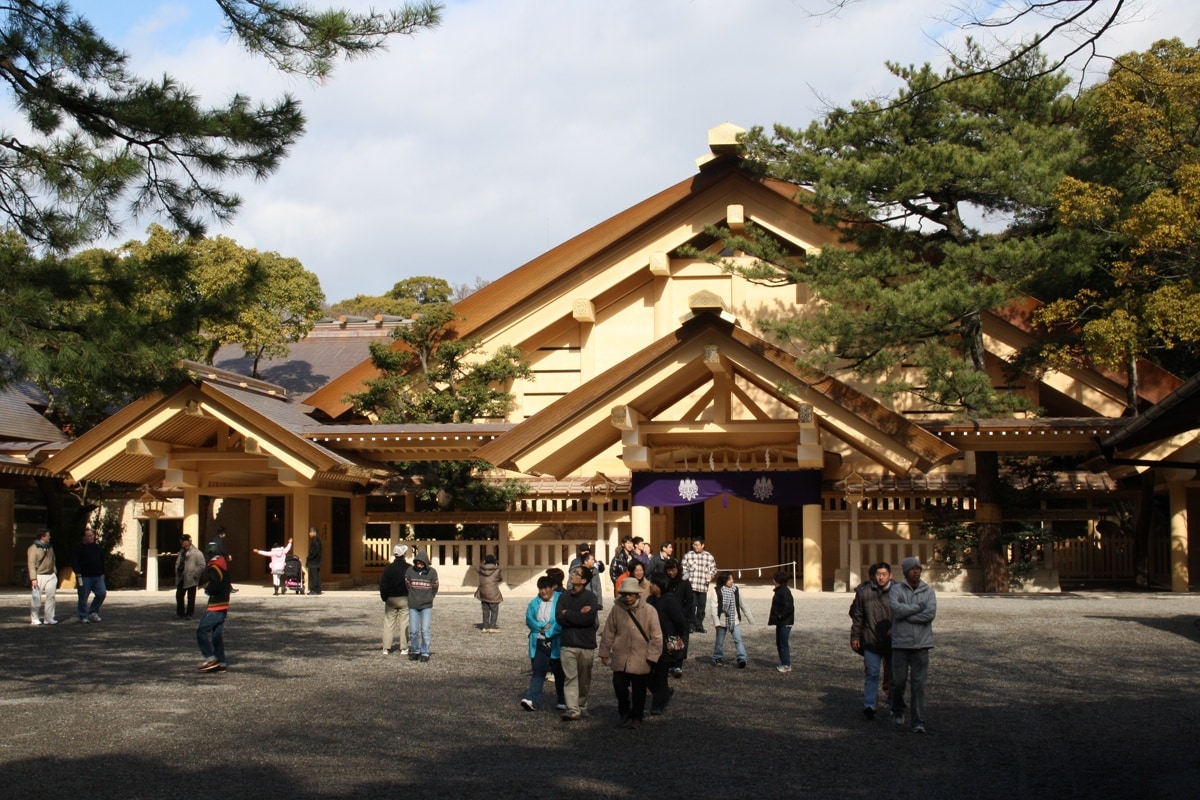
<point x="545" y="643"/>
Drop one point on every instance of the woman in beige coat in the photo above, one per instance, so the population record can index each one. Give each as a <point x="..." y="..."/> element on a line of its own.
<point x="631" y="644"/>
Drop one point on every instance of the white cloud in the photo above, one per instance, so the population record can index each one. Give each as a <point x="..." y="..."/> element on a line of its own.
<point x="469" y="150"/>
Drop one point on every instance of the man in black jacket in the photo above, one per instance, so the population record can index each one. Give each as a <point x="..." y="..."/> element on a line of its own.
<point x="313" y="562"/>
<point x="871" y="633"/>
<point x="577" y="614"/>
<point x="88" y="563"/>
<point x="394" y="592"/>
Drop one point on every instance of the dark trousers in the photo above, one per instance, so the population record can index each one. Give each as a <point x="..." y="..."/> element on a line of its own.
<point x="701" y="600"/>
<point x="180" y="594"/>
<point x="660" y="692"/>
<point x="625" y="683"/>
<point x="314" y="578"/>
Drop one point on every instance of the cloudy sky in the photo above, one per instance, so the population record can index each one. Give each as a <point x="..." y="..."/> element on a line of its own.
<point x="466" y="151"/>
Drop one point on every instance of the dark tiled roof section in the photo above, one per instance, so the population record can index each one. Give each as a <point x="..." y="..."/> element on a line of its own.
<point x="19" y="420"/>
<point x="311" y="362"/>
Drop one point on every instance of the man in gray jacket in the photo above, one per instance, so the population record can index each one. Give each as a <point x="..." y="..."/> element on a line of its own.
<point x="914" y="605"/>
<point x="189" y="566"/>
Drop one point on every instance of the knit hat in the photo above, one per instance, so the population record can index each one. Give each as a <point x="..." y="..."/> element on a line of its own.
<point x="909" y="563"/>
<point x="630" y="586"/>
<point x="399" y="550"/>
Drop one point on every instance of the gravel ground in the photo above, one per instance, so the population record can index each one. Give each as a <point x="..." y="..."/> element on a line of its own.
<point x="1064" y="696"/>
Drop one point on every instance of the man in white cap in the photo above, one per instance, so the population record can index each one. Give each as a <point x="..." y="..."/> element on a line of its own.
<point x="914" y="605"/>
<point x="394" y="591"/>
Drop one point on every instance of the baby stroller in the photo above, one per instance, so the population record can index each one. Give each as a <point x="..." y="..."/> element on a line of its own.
<point x="293" y="575"/>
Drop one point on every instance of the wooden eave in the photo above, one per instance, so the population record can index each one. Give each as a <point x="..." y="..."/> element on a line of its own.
<point x="200" y="435"/>
<point x="1053" y="436"/>
<point x="578" y="427"/>
<point x="392" y="443"/>
<point x="1154" y="382"/>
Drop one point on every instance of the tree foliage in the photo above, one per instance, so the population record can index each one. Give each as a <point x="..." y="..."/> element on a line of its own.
<point x="429" y="375"/>
<point x="96" y="329"/>
<point x="272" y="300"/>
<point x="402" y="300"/>
<point x="910" y="186"/>
<point x="944" y="200"/>
<point x="433" y="376"/>
<point x="104" y="144"/>
<point x="1137" y="193"/>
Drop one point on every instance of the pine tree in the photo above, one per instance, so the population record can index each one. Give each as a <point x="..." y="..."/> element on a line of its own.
<point x="944" y="199"/>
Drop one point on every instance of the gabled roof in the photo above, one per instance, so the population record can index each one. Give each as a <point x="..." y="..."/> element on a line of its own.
<point x="580" y="426"/>
<point x="545" y="277"/>
<point x="210" y="432"/>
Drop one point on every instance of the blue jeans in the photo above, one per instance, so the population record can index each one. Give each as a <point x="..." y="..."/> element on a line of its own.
<point x="719" y="647"/>
<point x="212" y="626"/>
<point x="541" y="664"/>
<point x="783" y="635"/>
<point x="875" y="663"/>
<point x="418" y="630"/>
<point x="91" y="586"/>
<point x="910" y="665"/>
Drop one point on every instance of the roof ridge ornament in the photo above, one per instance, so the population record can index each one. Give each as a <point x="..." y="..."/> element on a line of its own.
<point x="722" y="142"/>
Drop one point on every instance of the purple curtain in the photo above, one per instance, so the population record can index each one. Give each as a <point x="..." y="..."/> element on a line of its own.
<point x="790" y="488"/>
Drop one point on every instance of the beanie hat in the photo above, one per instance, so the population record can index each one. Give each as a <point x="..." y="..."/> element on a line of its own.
<point x="909" y="563"/>
<point x="399" y="550"/>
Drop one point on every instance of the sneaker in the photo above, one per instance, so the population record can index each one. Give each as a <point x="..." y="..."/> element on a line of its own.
<point x="424" y="659"/>
<point x="527" y="704"/>
<point x="404" y="652"/>
<point x="784" y="668"/>
<point x="94" y="617"/>
<point x="868" y="714"/>
<point x="919" y="727"/>
<point x="741" y="663"/>
<point x="386" y="651"/>
<point x="50" y="622"/>
<point x="210" y="665"/>
<point x="718" y="662"/>
<point x="676" y="672"/>
<point x="560" y="707"/>
<point x="35" y="622"/>
<point x="898" y="719"/>
<point x="83" y="620"/>
<point x="413" y="656"/>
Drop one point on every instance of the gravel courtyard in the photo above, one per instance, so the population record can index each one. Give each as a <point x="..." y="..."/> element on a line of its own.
<point x="1057" y="696"/>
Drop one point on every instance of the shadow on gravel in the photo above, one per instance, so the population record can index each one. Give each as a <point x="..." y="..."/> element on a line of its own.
<point x="1184" y="625"/>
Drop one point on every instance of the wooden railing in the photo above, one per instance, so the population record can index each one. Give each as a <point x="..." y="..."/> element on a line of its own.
<point x="865" y="552"/>
<point x="536" y="553"/>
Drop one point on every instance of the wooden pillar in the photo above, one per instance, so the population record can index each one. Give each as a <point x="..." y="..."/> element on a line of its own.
<point x="813" y="577"/>
<point x="358" y="532"/>
<point x="640" y="521"/>
<point x="1179" y="535"/>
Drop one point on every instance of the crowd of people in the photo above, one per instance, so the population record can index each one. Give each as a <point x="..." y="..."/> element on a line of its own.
<point x="659" y="604"/>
